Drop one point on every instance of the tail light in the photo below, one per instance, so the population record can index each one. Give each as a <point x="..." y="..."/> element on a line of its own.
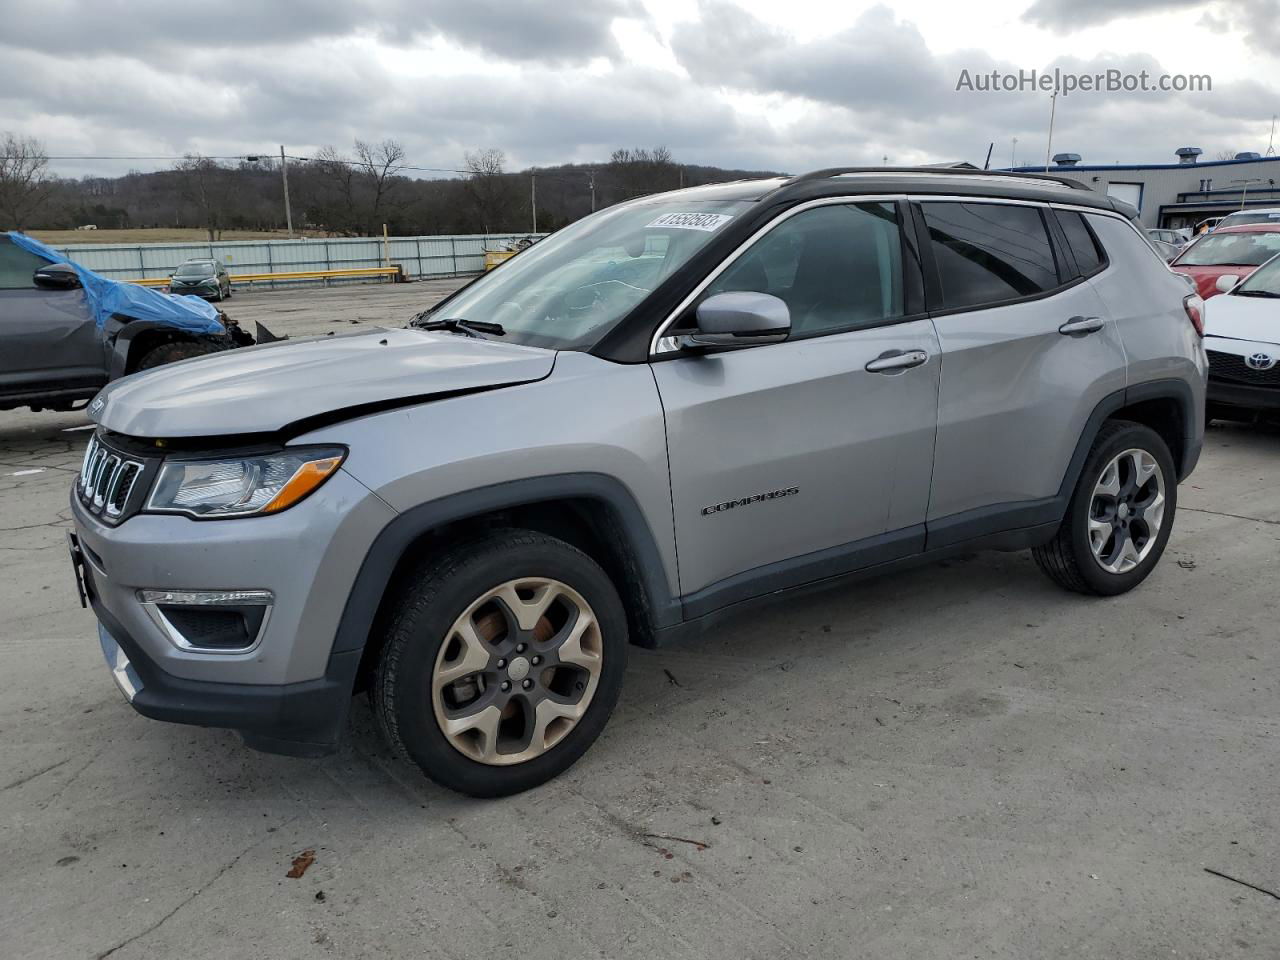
<point x="1195" y="312"/>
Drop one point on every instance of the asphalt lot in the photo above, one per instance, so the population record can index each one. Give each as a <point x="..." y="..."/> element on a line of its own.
<point x="960" y="761"/>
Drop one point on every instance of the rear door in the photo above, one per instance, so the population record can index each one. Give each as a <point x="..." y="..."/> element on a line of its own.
<point x="47" y="337"/>
<point x="1028" y="351"/>
<point x="793" y="461"/>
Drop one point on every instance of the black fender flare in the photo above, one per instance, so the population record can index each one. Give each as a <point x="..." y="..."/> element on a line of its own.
<point x="127" y="331"/>
<point x="390" y="545"/>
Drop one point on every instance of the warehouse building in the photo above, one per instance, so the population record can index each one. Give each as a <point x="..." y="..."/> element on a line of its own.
<point x="1180" y="194"/>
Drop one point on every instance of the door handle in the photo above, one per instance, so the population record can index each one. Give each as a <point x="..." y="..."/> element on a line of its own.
<point x="1081" y="325"/>
<point x="897" y="362"/>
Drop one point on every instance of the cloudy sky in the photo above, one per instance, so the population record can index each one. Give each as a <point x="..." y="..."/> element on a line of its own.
<point x="743" y="83"/>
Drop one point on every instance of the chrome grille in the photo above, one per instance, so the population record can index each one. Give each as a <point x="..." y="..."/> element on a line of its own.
<point x="106" y="480"/>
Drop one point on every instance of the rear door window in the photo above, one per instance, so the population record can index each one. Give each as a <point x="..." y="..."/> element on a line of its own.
<point x="987" y="253"/>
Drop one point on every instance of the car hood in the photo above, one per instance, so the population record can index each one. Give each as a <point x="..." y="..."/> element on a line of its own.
<point x="276" y="386"/>
<point x="1206" y="278"/>
<point x="1243" y="318"/>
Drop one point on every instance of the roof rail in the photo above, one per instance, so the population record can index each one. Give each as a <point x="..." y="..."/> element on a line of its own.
<point x="830" y="172"/>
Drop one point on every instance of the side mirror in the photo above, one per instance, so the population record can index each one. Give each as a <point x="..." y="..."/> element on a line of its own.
<point x="1226" y="283"/>
<point x="56" y="276"/>
<point x="739" y="319"/>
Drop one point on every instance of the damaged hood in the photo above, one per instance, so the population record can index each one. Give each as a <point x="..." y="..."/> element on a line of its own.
<point x="266" y="389"/>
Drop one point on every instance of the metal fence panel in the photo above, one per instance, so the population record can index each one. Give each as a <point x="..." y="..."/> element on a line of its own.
<point x="420" y="257"/>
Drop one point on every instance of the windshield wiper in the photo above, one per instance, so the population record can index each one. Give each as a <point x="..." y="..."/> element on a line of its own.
<point x="472" y="328"/>
<point x="1256" y="293"/>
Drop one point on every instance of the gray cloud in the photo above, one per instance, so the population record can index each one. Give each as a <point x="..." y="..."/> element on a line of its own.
<point x="544" y="30"/>
<point x="880" y="91"/>
<point x="1257" y="20"/>
<point x="873" y="90"/>
<point x="1078" y="14"/>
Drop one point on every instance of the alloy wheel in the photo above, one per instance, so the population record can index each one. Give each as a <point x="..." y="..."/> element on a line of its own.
<point x="517" y="671"/>
<point x="1126" y="510"/>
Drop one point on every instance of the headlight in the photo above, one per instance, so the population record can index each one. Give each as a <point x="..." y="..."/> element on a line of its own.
<point x="242" y="486"/>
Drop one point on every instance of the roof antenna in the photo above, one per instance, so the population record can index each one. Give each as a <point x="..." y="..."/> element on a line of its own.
<point x="990" y="147"/>
<point x="1271" y="144"/>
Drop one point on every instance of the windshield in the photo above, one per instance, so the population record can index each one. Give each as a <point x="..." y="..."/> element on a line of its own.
<point x="567" y="291"/>
<point x="1231" y="249"/>
<point x="1239" y="219"/>
<point x="1263" y="282"/>
<point x="197" y="269"/>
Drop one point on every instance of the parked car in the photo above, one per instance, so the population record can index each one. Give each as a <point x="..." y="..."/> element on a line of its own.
<point x="66" y="331"/>
<point x="1168" y="251"/>
<point x="201" y="278"/>
<point x="831" y="376"/>
<point x="1227" y="252"/>
<point x="1242" y="339"/>
<point x="1175" y="238"/>
<point x="1259" y="215"/>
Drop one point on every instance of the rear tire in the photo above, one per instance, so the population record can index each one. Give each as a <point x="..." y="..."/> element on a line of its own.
<point x="172" y="352"/>
<point x="502" y="663"/>
<point x="1120" y="514"/>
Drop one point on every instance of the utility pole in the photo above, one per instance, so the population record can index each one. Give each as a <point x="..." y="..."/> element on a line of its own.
<point x="1013" y="154"/>
<point x="1053" y="107"/>
<point x="591" y="181"/>
<point x="533" y="199"/>
<point x="284" y="176"/>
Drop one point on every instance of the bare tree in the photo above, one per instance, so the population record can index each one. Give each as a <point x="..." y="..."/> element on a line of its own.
<point x="489" y="188"/>
<point x="333" y="200"/>
<point x="639" y="171"/>
<point x="207" y="186"/>
<point x="380" y="164"/>
<point x="25" y="181"/>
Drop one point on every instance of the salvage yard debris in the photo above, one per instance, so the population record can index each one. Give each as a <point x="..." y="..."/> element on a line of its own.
<point x="300" y="863"/>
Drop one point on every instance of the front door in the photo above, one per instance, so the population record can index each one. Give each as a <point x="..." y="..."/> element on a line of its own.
<point x="808" y="458"/>
<point x="50" y="339"/>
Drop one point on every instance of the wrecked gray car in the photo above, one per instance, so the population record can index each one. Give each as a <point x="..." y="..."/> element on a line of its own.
<point x="65" y="331"/>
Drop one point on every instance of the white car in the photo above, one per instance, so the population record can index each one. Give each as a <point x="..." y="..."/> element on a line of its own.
<point x="1257" y="215"/>
<point x="1242" y="338"/>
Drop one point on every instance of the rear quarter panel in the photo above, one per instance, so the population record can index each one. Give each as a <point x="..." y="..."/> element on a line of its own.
<point x="1145" y="298"/>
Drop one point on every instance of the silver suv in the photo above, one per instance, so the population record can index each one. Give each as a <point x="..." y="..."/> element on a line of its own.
<point x="672" y="409"/>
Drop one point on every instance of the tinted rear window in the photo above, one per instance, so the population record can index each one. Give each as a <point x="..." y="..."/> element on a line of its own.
<point x="1084" y="247"/>
<point x="989" y="252"/>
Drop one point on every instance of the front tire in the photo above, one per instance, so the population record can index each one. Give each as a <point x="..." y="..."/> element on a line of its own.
<point x="502" y="663"/>
<point x="172" y="352"/>
<point x="1120" y="514"/>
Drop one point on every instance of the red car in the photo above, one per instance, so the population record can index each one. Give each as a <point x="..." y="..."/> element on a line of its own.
<point x="1227" y="252"/>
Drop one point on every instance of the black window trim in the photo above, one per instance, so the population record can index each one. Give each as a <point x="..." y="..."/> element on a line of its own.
<point x="933" y="279"/>
<point x="1104" y="258"/>
<point x="911" y="262"/>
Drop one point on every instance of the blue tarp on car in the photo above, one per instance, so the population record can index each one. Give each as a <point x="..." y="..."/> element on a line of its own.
<point x="141" y="303"/>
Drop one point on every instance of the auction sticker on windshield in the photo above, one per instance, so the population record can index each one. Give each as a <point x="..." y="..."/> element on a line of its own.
<point x="691" y="221"/>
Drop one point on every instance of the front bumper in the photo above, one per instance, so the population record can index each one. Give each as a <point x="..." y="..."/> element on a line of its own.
<point x="1243" y="395"/>
<point x="290" y="692"/>
<point x="298" y="719"/>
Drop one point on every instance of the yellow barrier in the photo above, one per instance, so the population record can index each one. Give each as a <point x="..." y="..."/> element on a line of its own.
<point x="396" y="273"/>
<point x="494" y="257"/>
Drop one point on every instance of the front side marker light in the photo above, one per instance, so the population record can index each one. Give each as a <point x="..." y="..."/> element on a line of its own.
<point x="304" y="480"/>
